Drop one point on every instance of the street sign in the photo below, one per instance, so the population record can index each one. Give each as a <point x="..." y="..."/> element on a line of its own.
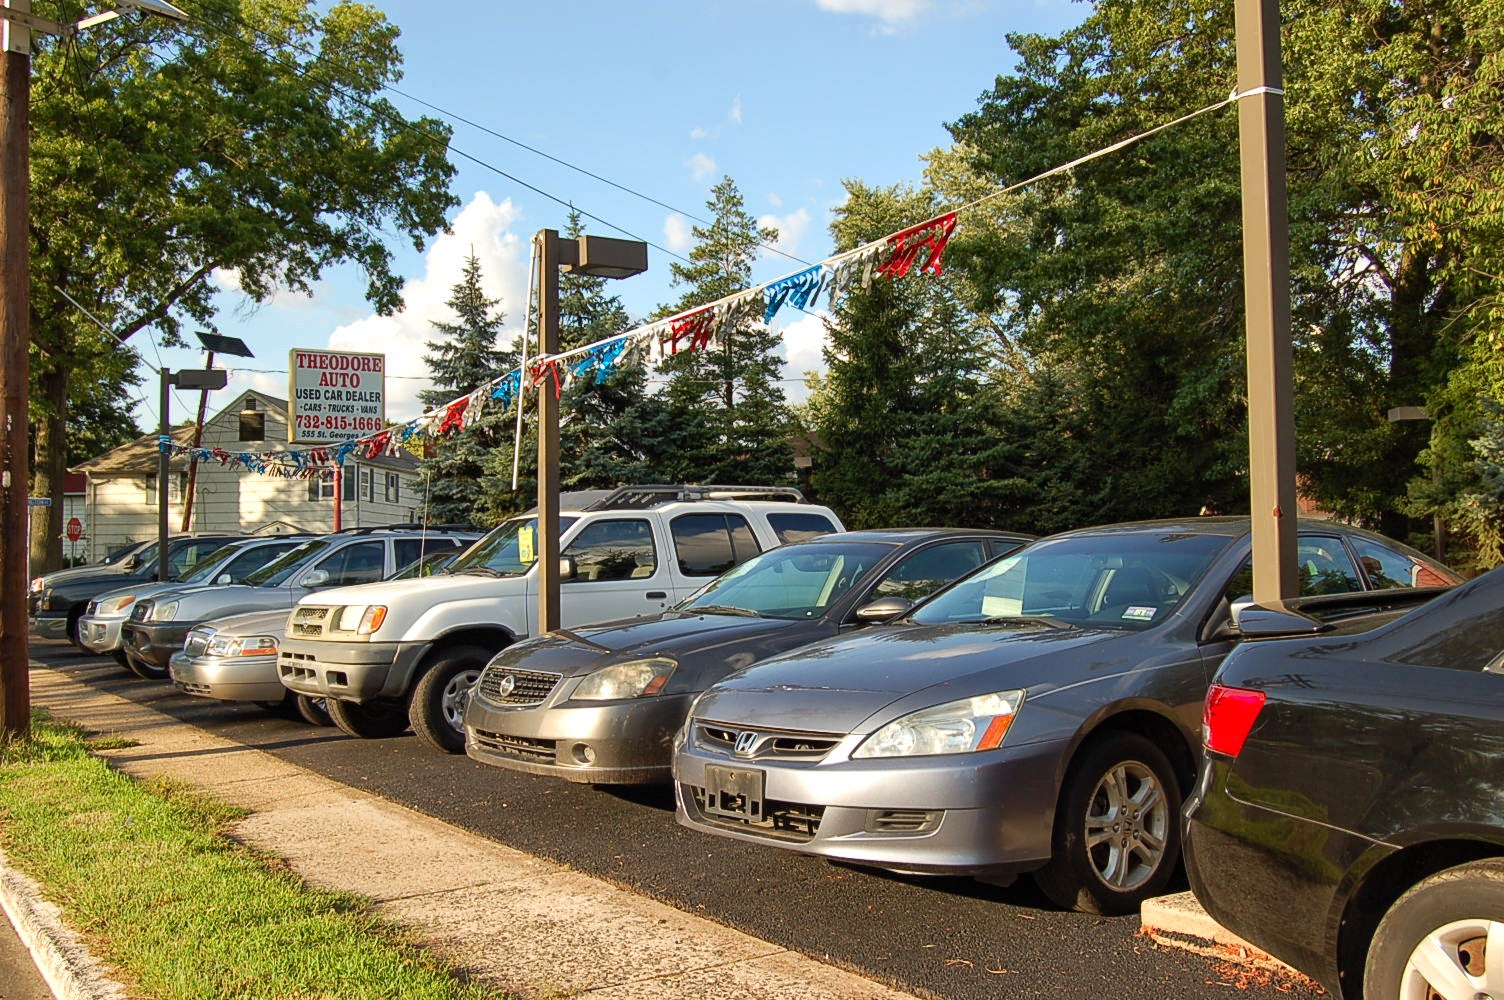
<point x="335" y="395"/>
<point x="75" y="529"/>
<point x="39" y="501"/>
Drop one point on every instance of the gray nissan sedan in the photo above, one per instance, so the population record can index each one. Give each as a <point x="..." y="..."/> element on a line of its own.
<point x="1041" y="714"/>
<point x="601" y="704"/>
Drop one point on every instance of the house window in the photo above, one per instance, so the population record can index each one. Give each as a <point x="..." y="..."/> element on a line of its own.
<point x="347" y="484"/>
<point x="367" y="486"/>
<point x="176" y="484"/>
<point x="393" y="481"/>
<point x="252" y="422"/>
<point x="321" y="487"/>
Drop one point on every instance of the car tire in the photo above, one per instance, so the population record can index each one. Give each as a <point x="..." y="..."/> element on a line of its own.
<point x="314" y="711"/>
<point x="371" y="720"/>
<point x="1117" y="828"/>
<point x="74" y="618"/>
<point x="1434" y="936"/>
<point x="142" y="669"/>
<point x="438" y="707"/>
<point x="118" y="655"/>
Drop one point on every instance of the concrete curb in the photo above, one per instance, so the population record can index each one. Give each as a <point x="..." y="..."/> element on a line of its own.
<point x="66" y="966"/>
<point x="1178" y="921"/>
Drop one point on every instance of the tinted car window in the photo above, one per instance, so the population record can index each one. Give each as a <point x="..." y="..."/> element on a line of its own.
<point x="186" y="555"/>
<point x="249" y="560"/>
<point x="927" y="570"/>
<point x="614" y="550"/>
<point x="410" y="550"/>
<point x="1387" y="568"/>
<point x="277" y="572"/>
<point x="1322" y="568"/>
<point x="792" y="527"/>
<point x="793" y="582"/>
<point x="363" y="562"/>
<point x="710" y="544"/>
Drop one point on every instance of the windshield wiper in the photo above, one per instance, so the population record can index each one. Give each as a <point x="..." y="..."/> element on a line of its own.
<point x="1044" y="620"/>
<point x="477" y="571"/>
<point x="721" y="609"/>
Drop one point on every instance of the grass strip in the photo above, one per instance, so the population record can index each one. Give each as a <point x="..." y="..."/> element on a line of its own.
<point x="146" y="875"/>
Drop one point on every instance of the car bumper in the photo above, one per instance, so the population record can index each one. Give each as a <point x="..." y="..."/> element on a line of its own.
<point x="244" y="678"/>
<point x="49" y="626"/>
<point x="1269" y="877"/>
<point x="101" y="635"/>
<point x="607" y="743"/>
<point x="154" y="643"/>
<point x="349" y="671"/>
<point x="981" y="814"/>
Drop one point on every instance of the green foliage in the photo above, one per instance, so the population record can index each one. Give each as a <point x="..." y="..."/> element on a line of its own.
<point x="727" y="419"/>
<point x="253" y="143"/>
<point x="463" y="359"/>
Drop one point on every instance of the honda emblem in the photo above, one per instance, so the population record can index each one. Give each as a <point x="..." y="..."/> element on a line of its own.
<point x="746" y="742"/>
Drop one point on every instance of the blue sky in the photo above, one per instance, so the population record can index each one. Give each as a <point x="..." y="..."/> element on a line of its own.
<point x="788" y="97"/>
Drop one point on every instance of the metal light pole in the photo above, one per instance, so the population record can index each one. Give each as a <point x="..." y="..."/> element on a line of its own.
<point x="589" y="255"/>
<point x="1266" y="297"/>
<point x="187" y="378"/>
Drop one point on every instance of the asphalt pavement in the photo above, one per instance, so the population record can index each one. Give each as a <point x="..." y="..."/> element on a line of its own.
<point x="19" y="978"/>
<point x="955" y="939"/>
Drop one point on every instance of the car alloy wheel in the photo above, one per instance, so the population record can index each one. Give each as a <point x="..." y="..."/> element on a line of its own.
<point x="1444" y="938"/>
<point x="437" y="712"/>
<point x="1116" y="840"/>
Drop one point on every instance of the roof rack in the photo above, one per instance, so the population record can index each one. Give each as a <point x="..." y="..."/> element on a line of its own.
<point x="651" y="495"/>
<point x="371" y="528"/>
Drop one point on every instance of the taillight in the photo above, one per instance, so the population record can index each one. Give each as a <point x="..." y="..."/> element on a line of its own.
<point x="1228" y="716"/>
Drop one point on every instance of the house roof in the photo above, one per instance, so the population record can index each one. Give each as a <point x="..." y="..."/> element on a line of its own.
<point x="139" y="457"/>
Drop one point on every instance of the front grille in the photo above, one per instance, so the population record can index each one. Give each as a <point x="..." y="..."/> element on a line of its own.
<point x="527" y="687"/>
<point x="309" y="622"/>
<point x="797" y="822"/>
<point x="197" y="642"/>
<point x="903" y="820"/>
<point x="142" y="609"/>
<point x="201" y="690"/>
<point x="783" y="744"/>
<point x="526" y="748"/>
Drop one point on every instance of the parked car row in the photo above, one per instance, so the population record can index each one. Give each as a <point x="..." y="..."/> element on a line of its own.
<point x="969" y="702"/>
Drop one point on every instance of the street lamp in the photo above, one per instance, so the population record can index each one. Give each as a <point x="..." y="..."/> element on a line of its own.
<point x="16" y="25"/>
<point x="187" y="378"/>
<point x="589" y="255"/>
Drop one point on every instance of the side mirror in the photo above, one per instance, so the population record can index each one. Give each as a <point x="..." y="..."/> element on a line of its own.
<point x="567" y="569"/>
<point x="882" y="610"/>
<point x="1256" y="621"/>
<point x="223" y="579"/>
<point x="316" y="578"/>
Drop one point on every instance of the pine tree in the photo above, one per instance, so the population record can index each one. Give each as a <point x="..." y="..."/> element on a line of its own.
<point x="727" y="420"/>
<point x="463" y="359"/>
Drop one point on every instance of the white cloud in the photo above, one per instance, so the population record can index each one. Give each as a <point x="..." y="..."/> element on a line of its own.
<point x="791" y="229"/>
<point x="701" y="167"/>
<point x="676" y="233"/>
<point x="699" y="132"/>
<point x="228" y="280"/>
<point x="482" y="228"/>
<point x="891" y="13"/>
<point x="802" y="348"/>
<point x="735" y="114"/>
<point x="775" y="201"/>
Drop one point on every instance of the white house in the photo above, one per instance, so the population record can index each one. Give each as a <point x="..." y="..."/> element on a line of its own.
<point x="121" y="500"/>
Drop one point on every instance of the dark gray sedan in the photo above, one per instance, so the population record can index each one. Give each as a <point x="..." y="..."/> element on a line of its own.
<point x="601" y="704"/>
<point x="1041" y="714"/>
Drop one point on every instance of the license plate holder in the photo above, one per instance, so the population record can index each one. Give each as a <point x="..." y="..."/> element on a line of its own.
<point x="734" y="793"/>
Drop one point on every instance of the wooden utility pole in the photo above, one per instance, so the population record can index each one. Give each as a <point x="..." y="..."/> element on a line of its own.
<point x="547" y="544"/>
<point x="1266" y="298"/>
<point x="15" y="337"/>
<point x="198" y="440"/>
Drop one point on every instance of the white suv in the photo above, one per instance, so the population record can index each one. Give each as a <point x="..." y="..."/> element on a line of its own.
<point x="399" y="653"/>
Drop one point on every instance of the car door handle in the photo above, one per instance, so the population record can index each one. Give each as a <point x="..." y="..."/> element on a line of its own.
<point x="655" y="595"/>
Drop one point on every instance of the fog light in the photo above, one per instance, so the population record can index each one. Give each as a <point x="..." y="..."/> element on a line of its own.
<point x="583" y="754"/>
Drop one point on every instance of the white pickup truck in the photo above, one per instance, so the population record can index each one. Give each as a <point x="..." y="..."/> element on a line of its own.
<point x="399" y="653"/>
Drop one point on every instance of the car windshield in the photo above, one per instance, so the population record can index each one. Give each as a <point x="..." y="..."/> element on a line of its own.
<point x="432" y="564"/>
<point x="1127" y="581"/>
<point x="510" y="549"/>
<point x="280" y="570"/>
<point x="795" y="581"/>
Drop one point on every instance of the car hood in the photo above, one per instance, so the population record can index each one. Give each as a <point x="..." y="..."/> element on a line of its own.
<point x="436" y="588"/>
<point x="62" y="576"/>
<point x="200" y="602"/>
<point x="834" y="686"/>
<point x="251" y="623"/>
<point x="731" y="638"/>
<point x="141" y="590"/>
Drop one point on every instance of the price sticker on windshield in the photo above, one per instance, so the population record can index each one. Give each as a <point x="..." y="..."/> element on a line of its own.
<point x="527" y="550"/>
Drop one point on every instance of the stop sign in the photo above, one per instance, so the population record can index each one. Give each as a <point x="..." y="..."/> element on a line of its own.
<point x="75" y="529"/>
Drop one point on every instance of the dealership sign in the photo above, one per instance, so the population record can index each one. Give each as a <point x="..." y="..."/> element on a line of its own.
<point x="335" y="395"/>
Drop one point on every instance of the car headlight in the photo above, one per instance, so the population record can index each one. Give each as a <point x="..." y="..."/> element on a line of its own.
<point x="362" y="619"/>
<point x="115" y="606"/>
<point x="963" y="726"/>
<point x="634" y="679"/>
<point x="242" y="645"/>
<point x="36" y="584"/>
<point x="164" y="612"/>
<point x="45" y="601"/>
